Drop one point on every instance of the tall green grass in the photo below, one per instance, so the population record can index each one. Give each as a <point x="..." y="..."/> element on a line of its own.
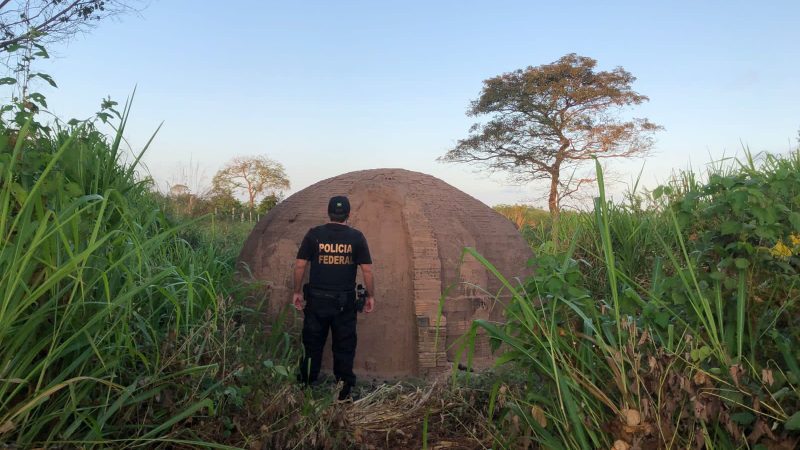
<point x="672" y="326"/>
<point x="108" y="318"/>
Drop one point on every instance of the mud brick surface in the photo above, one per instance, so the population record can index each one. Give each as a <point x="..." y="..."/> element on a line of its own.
<point x="417" y="227"/>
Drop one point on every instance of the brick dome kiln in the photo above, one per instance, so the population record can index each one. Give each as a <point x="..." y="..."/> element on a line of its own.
<point x="416" y="226"/>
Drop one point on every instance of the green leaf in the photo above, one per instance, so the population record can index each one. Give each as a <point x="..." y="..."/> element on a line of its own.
<point x="794" y="219"/>
<point x="42" y="51"/>
<point x="47" y="78"/>
<point x="191" y="410"/>
<point x="741" y="263"/>
<point x="730" y="227"/>
<point x="716" y="275"/>
<point x="282" y="371"/>
<point x="38" y="98"/>
<point x="19" y="193"/>
<point x="782" y="392"/>
<point x="662" y="318"/>
<point x="108" y="104"/>
<point x="743" y="418"/>
<point x="728" y="182"/>
<point x="74" y="189"/>
<point x="793" y="423"/>
<point x="731" y="398"/>
<point x="7" y="80"/>
<point x="678" y="297"/>
<point x="700" y="354"/>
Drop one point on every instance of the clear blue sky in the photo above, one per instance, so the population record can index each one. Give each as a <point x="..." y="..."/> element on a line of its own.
<point x="330" y="87"/>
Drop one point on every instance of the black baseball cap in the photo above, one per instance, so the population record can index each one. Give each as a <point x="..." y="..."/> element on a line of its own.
<point x="339" y="206"/>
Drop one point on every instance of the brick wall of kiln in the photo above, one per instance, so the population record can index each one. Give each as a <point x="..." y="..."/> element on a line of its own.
<point x="437" y="221"/>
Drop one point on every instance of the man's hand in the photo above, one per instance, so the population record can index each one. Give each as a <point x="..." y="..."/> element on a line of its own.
<point x="299" y="273"/>
<point x="369" y="281"/>
<point x="297" y="300"/>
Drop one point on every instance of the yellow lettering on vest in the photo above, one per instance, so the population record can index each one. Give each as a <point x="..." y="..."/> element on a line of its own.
<point x="345" y="253"/>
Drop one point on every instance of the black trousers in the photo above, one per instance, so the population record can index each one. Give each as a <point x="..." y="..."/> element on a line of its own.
<point x="323" y="314"/>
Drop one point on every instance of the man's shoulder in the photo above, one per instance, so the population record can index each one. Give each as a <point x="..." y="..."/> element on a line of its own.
<point x="357" y="233"/>
<point x="314" y="231"/>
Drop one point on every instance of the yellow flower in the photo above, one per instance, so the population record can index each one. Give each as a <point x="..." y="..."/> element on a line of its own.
<point x="795" y="239"/>
<point x="780" y="250"/>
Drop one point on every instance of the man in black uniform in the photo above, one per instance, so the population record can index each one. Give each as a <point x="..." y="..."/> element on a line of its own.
<point x="335" y="251"/>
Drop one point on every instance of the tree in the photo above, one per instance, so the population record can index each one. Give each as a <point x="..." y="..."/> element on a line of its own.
<point x="267" y="203"/>
<point x="188" y="186"/>
<point x="547" y="121"/>
<point x="178" y="190"/>
<point x="221" y="202"/>
<point x="51" y="20"/>
<point x="253" y="175"/>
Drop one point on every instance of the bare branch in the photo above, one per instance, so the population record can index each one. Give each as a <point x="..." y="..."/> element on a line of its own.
<point x="49" y="20"/>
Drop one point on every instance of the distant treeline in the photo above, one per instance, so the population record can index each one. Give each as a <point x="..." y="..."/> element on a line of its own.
<point x="523" y="216"/>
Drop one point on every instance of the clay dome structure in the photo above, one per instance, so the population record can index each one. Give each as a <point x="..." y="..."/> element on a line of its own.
<point x="417" y="227"/>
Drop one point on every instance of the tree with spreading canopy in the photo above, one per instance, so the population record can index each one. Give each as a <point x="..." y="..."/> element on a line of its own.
<point x="252" y="175"/>
<point x="547" y="121"/>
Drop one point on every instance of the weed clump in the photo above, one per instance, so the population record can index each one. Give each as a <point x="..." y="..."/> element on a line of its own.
<point x="669" y="326"/>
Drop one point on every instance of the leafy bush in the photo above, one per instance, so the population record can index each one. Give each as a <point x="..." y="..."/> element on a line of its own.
<point x="668" y="327"/>
<point x="742" y="231"/>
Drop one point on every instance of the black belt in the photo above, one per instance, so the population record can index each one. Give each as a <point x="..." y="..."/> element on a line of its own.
<point x="343" y="299"/>
<point x="326" y="293"/>
<point x="321" y="293"/>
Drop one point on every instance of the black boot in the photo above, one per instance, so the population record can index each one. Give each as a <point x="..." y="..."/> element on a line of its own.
<point x="344" y="393"/>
